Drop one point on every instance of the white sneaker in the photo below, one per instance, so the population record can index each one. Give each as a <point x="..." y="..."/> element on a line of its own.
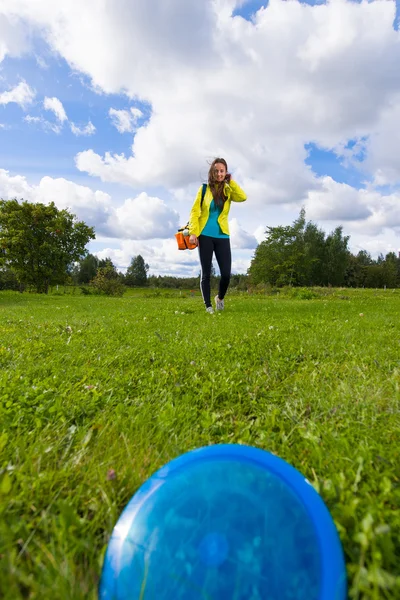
<point x="219" y="304"/>
<point x="210" y="310"/>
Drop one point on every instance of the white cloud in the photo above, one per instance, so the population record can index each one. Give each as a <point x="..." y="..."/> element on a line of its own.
<point x="14" y="37"/>
<point x="375" y="245"/>
<point x="140" y="218"/>
<point x="144" y="217"/>
<point x="241" y="239"/>
<point x="363" y="212"/>
<point x="162" y="256"/>
<point x="13" y="186"/>
<point x="46" y="125"/>
<point x="382" y="147"/>
<point x="41" y="62"/>
<point x="338" y="201"/>
<point x="55" y="106"/>
<point x="30" y="119"/>
<point x="94" y="207"/>
<point x="125" y="120"/>
<point x="241" y="264"/>
<point x="259" y="233"/>
<point x="88" y="129"/>
<point x="21" y="94"/>
<point x="297" y="58"/>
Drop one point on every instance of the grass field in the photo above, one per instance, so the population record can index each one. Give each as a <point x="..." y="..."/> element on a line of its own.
<point x="97" y="393"/>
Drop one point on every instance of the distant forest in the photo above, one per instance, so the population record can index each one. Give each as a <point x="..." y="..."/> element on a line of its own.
<point x="300" y="254"/>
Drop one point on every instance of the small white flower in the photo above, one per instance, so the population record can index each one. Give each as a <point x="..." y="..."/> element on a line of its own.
<point x="271" y="327"/>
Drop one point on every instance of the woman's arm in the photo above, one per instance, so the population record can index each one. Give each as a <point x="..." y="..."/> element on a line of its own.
<point x="195" y="214"/>
<point x="236" y="192"/>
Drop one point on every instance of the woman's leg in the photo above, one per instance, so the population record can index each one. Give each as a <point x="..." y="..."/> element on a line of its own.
<point x="224" y="259"/>
<point x="206" y="249"/>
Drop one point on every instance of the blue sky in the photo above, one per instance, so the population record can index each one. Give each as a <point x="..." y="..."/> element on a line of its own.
<point x="81" y="103"/>
<point x="250" y="7"/>
<point x="303" y="103"/>
<point x="326" y="162"/>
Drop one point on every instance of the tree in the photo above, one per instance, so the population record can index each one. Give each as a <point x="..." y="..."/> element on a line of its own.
<point x="356" y="270"/>
<point x="108" y="281"/>
<point x="314" y="248"/>
<point x="8" y="280"/>
<point x="336" y="257"/>
<point x="281" y="258"/>
<point x="375" y="276"/>
<point x="40" y="242"/>
<point x="87" y="268"/>
<point x="104" y="262"/>
<point x="390" y="269"/>
<point x="299" y="254"/>
<point x="136" y="273"/>
<point x="364" y="258"/>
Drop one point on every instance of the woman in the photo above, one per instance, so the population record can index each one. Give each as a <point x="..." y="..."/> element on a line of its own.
<point x="208" y="227"/>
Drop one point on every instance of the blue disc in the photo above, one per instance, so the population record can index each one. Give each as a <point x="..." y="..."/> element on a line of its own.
<point x="225" y="522"/>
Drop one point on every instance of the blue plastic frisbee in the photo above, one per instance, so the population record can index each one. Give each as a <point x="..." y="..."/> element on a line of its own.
<point x="225" y="522"/>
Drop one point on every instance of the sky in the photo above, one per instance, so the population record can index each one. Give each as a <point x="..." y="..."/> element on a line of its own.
<point x="114" y="109"/>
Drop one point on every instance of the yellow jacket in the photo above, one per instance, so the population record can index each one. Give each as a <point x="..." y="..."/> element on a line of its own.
<point x="199" y="216"/>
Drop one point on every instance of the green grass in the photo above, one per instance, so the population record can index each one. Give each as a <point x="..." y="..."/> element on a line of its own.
<point x="90" y="384"/>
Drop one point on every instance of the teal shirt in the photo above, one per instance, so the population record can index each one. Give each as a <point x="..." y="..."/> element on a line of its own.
<point x="212" y="228"/>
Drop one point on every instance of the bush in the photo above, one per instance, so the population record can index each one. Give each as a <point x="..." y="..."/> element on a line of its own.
<point x="108" y="281"/>
<point x="90" y="291"/>
<point x="9" y="280"/>
<point x="302" y="294"/>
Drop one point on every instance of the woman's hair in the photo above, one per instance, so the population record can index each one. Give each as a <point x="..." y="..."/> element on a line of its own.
<point x="217" y="187"/>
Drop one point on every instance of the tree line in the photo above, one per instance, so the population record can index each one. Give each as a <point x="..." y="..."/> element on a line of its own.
<point x="41" y="246"/>
<point x="136" y="275"/>
<point x="302" y="254"/>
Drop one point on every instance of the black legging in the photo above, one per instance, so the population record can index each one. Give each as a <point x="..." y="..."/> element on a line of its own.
<point x="222" y="249"/>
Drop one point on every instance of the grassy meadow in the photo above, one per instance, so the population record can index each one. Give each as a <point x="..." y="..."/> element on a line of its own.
<point x="96" y="393"/>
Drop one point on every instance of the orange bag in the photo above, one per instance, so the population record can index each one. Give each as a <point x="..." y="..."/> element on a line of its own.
<point x="183" y="240"/>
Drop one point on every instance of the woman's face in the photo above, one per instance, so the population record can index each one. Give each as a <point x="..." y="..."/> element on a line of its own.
<point x="219" y="172"/>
